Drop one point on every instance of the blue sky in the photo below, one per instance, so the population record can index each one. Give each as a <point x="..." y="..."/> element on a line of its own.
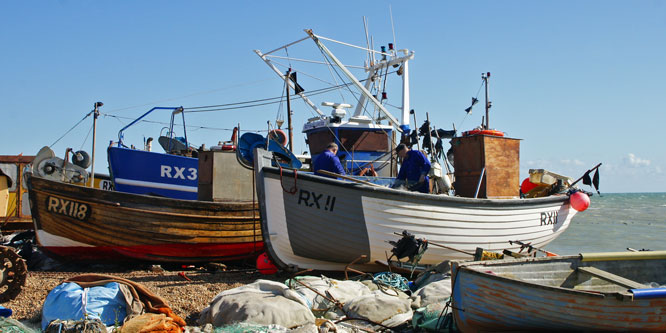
<point x="580" y="82"/>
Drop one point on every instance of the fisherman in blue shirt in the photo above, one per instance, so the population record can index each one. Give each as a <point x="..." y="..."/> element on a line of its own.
<point x="329" y="161"/>
<point x="414" y="169"/>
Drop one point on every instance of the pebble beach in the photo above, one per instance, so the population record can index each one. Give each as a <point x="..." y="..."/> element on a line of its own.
<point x="186" y="291"/>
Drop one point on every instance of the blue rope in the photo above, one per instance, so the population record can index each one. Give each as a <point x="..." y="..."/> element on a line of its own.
<point x="391" y="279"/>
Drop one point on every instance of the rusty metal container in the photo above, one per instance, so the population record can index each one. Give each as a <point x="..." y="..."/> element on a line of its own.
<point x="499" y="156"/>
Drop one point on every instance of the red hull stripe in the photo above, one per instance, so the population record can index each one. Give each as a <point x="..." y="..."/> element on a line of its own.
<point x="162" y="252"/>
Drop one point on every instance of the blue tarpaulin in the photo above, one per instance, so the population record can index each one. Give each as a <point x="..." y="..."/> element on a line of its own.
<point x="69" y="301"/>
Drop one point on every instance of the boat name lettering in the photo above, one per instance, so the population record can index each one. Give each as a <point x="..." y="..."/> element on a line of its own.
<point x="77" y="210"/>
<point x="548" y="218"/>
<point x="106" y="185"/>
<point x="178" y="172"/>
<point x="310" y="199"/>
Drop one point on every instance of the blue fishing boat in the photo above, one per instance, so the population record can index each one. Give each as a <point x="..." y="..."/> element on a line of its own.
<point x="173" y="174"/>
<point x="365" y="142"/>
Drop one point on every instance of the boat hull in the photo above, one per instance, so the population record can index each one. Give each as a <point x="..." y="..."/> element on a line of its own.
<point x="90" y="224"/>
<point x="321" y="223"/>
<point x="549" y="294"/>
<point x="143" y="172"/>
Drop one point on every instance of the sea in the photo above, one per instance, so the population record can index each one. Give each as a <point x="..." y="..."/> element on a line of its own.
<point x="615" y="222"/>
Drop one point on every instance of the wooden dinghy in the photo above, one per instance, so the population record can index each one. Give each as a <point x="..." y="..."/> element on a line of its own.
<point x="322" y="223"/>
<point x="90" y="224"/>
<point x="620" y="291"/>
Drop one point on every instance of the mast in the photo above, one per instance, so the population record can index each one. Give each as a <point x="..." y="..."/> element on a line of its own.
<point x="405" y="96"/>
<point x="92" y="165"/>
<point x="485" y="78"/>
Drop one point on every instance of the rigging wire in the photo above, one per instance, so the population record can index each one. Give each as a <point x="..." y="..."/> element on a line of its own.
<point x="466" y="113"/>
<point x="194" y="127"/>
<point x="209" y="108"/>
<point x="272" y="100"/>
<point x="307" y="74"/>
<point x="279" y="115"/>
<point x="86" y="139"/>
<point x="364" y="108"/>
<point x="190" y="95"/>
<point x="77" y="124"/>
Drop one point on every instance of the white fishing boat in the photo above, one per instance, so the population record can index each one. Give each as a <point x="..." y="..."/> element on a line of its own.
<point x="320" y="223"/>
<point x="314" y="222"/>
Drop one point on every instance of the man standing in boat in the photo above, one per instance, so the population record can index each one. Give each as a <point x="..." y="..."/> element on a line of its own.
<point x="329" y="161"/>
<point x="414" y="169"/>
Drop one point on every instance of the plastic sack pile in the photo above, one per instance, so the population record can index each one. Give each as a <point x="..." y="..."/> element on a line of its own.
<point x="321" y="304"/>
<point x="93" y="303"/>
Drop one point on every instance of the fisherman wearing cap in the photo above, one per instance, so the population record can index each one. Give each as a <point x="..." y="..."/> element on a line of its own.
<point x="329" y="161"/>
<point x="414" y="169"/>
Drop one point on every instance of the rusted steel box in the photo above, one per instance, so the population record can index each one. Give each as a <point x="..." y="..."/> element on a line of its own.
<point x="16" y="216"/>
<point x="222" y="178"/>
<point x="499" y="156"/>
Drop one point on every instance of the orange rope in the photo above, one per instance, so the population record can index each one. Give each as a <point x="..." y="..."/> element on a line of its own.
<point x="294" y="188"/>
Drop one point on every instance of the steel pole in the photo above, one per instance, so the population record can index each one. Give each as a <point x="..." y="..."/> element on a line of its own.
<point x="92" y="165"/>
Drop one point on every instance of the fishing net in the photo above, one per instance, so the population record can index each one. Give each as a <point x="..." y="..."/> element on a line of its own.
<point x="436" y="317"/>
<point x="76" y="326"/>
<point x="243" y="327"/>
<point x="8" y="325"/>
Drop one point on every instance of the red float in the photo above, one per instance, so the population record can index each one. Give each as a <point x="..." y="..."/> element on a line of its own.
<point x="265" y="265"/>
<point x="579" y="201"/>
<point x="527" y="185"/>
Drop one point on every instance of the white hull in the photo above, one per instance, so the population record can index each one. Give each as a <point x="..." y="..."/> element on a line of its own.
<point x="349" y="220"/>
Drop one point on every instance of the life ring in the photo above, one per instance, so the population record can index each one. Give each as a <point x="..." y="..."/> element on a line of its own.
<point x="370" y="171"/>
<point x="279" y="136"/>
<point x="483" y="132"/>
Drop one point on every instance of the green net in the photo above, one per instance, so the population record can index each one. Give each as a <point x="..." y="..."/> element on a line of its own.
<point x="8" y="325"/>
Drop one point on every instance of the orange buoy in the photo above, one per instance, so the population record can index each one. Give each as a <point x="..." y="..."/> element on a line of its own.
<point x="265" y="265"/>
<point x="279" y="136"/>
<point x="579" y="201"/>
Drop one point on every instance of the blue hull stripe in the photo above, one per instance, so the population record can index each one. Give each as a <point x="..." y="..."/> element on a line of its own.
<point x="163" y="186"/>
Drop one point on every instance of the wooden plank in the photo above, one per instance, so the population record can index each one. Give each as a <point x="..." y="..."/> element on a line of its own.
<point x="610" y="277"/>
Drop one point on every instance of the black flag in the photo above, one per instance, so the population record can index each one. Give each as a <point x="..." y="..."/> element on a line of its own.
<point x="595" y="181"/>
<point x="586" y="179"/>
<point x="297" y="87"/>
<point x="474" y="101"/>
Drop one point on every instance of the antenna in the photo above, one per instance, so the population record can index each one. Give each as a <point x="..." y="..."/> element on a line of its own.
<point x="367" y="41"/>
<point x="392" y="27"/>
